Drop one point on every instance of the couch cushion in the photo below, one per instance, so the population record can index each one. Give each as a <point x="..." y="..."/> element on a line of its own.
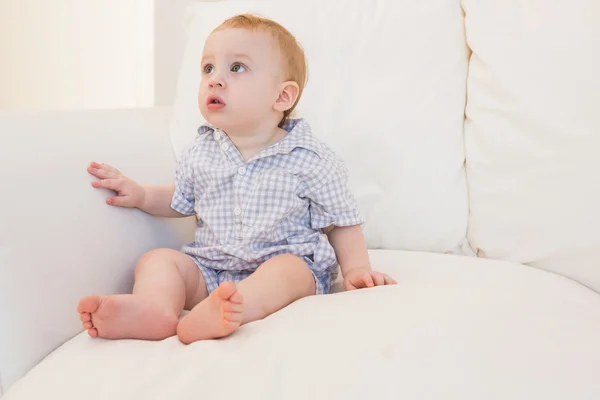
<point x="59" y="240"/>
<point x="533" y="133"/>
<point x="386" y="90"/>
<point x="454" y="328"/>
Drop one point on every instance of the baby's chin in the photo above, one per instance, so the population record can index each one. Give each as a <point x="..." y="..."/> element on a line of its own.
<point x="226" y="121"/>
<point x="218" y="121"/>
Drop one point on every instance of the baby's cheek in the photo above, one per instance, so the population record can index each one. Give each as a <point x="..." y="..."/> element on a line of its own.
<point x="199" y="98"/>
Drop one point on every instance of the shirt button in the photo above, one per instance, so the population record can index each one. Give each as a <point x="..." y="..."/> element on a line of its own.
<point x="237" y="211"/>
<point x="242" y="171"/>
<point x="224" y="147"/>
<point x="217" y="135"/>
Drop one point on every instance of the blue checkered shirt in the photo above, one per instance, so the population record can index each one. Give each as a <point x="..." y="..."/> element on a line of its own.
<point x="275" y="203"/>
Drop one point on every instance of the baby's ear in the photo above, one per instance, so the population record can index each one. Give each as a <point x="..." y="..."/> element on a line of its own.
<point x="287" y="96"/>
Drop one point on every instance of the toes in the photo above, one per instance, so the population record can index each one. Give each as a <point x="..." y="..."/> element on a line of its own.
<point x="232" y="324"/>
<point x="89" y="304"/>
<point x="85" y="317"/>
<point x="88" y="325"/>
<point x="236" y="298"/>
<point x="93" y="332"/>
<point x="233" y="307"/>
<point x="236" y="318"/>
<point x="226" y="290"/>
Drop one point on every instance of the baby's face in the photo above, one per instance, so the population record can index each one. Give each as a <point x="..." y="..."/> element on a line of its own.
<point x="241" y="77"/>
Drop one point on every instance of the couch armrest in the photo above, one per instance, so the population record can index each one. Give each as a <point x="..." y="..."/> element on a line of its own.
<point x="59" y="241"/>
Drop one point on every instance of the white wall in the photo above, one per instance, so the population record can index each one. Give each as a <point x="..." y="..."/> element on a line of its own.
<point x="169" y="45"/>
<point x="76" y="54"/>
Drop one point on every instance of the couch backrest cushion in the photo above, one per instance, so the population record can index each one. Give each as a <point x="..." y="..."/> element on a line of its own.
<point x="386" y="91"/>
<point x="59" y="240"/>
<point x="533" y="133"/>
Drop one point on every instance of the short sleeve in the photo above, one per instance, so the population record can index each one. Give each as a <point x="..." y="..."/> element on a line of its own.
<point x="183" y="198"/>
<point x="331" y="201"/>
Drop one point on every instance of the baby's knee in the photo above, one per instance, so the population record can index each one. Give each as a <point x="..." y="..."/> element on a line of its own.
<point x="153" y="258"/>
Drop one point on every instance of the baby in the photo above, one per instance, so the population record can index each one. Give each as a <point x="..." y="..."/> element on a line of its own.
<point x="275" y="216"/>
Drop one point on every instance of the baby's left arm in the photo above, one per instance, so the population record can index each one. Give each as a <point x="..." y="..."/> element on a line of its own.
<point x="334" y="211"/>
<point x="351" y="252"/>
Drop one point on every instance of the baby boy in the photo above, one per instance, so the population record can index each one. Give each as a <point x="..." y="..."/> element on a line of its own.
<point x="275" y="216"/>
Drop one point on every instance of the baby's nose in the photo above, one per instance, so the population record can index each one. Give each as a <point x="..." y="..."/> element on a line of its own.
<point x="216" y="82"/>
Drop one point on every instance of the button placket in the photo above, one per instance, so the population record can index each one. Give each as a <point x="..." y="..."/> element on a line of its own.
<point x="237" y="209"/>
<point x="227" y="147"/>
<point x="238" y="199"/>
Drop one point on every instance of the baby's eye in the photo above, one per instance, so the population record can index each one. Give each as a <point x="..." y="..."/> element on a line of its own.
<point x="238" y="68"/>
<point x="208" y="68"/>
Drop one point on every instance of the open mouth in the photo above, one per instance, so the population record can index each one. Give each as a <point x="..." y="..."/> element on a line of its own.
<point x="215" y="100"/>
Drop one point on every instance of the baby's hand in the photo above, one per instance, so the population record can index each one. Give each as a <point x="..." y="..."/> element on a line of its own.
<point x="359" y="278"/>
<point x="129" y="193"/>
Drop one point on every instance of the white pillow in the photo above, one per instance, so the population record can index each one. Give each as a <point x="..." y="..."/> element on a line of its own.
<point x="386" y="91"/>
<point x="533" y="133"/>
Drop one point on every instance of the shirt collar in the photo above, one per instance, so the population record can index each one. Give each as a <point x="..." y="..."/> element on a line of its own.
<point x="299" y="136"/>
<point x="205" y="129"/>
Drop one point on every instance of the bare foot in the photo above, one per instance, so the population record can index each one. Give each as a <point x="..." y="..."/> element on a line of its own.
<point x="218" y="315"/>
<point x="125" y="316"/>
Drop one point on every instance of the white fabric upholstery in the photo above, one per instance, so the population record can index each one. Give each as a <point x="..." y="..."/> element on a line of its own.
<point x="533" y="133"/>
<point x="389" y="101"/>
<point x="59" y="241"/>
<point x="455" y="328"/>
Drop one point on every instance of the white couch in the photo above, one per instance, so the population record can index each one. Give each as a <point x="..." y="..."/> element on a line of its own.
<point x="471" y="129"/>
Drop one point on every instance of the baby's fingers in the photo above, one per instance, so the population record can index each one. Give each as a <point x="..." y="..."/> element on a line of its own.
<point x="112" y="184"/>
<point x="368" y="280"/>
<point x="120" y="201"/>
<point x="105" y="167"/>
<point x="388" y="280"/>
<point x="101" y="173"/>
<point x="378" y="278"/>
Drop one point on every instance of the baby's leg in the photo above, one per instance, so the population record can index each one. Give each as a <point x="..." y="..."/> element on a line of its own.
<point x="275" y="284"/>
<point x="165" y="281"/>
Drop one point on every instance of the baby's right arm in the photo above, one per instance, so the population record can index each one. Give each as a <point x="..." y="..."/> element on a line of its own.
<point x="154" y="200"/>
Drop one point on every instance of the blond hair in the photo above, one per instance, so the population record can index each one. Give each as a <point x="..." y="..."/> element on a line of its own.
<point x="292" y="55"/>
